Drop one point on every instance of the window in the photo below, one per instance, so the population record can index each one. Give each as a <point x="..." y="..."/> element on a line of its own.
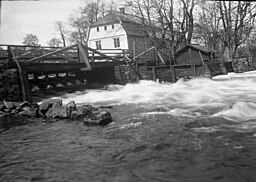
<point x="113" y="26"/>
<point x="116" y="42"/>
<point x="105" y="27"/>
<point x="98" y="44"/>
<point x="98" y="29"/>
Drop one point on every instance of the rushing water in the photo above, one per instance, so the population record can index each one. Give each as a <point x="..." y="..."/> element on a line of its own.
<point x="196" y="130"/>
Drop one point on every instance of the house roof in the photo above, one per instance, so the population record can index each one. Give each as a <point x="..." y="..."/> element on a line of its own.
<point x="195" y="46"/>
<point x="116" y="17"/>
<point x="131" y="23"/>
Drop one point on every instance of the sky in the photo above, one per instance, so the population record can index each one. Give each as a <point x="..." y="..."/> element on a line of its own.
<point x="19" y="18"/>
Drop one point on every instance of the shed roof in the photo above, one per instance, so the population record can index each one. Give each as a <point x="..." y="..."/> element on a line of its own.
<point x="196" y="46"/>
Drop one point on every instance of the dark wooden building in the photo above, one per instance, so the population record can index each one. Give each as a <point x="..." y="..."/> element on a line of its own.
<point x="193" y="54"/>
<point x="196" y="60"/>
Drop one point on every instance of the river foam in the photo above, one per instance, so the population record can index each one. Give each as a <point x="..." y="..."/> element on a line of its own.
<point x="231" y="96"/>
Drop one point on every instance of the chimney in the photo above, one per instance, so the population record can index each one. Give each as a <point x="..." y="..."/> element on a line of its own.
<point x="122" y="10"/>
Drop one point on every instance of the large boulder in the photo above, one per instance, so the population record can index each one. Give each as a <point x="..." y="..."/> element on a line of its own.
<point x="103" y="118"/>
<point x="58" y="112"/>
<point x="85" y="110"/>
<point x="28" y="109"/>
<point x="71" y="107"/>
<point x="46" y="105"/>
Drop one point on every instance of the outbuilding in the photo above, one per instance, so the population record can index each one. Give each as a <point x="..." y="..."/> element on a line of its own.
<point x="196" y="60"/>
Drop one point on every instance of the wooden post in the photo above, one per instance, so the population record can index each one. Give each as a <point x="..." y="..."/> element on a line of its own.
<point x="193" y="69"/>
<point x="25" y="86"/>
<point x="10" y="56"/>
<point x="138" y="72"/>
<point x="173" y="73"/>
<point x="123" y="55"/>
<point x="190" y="56"/>
<point x="155" y="57"/>
<point x="134" y="53"/>
<point x="146" y="48"/>
<point x="92" y="57"/>
<point x="154" y="73"/>
<point x="78" y="53"/>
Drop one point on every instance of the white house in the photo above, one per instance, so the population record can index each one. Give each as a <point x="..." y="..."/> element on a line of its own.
<point x="119" y="30"/>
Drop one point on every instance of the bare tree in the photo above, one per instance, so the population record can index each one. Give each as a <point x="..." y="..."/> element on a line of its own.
<point x="31" y="40"/>
<point x="54" y="42"/>
<point x="208" y="27"/>
<point x="185" y="20"/>
<point x="86" y="16"/>
<point x="237" y="23"/>
<point x="62" y="31"/>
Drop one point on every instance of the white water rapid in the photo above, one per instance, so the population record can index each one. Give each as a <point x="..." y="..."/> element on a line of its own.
<point x="231" y="96"/>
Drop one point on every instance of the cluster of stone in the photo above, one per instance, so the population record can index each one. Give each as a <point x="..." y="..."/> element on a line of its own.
<point x="243" y="64"/>
<point x="10" y="89"/>
<point x="53" y="108"/>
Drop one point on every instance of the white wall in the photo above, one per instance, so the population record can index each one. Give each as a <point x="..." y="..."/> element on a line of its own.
<point x="107" y="37"/>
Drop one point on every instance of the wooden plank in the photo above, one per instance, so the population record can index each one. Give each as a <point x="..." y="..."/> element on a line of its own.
<point x="51" y="53"/>
<point x="52" y="67"/>
<point x="97" y="52"/>
<point x="84" y="56"/>
<point x="16" y="61"/>
<point x="144" y="52"/>
<point x="62" y="67"/>
<point x="160" y="57"/>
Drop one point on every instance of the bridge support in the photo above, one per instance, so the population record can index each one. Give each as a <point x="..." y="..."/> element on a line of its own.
<point x="25" y="86"/>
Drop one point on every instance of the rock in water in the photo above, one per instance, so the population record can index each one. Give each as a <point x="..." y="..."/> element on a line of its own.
<point x="11" y="105"/>
<point x="46" y="105"/>
<point x="103" y="118"/>
<point x="32" y="112"/>
<point x="57" y="112"/>
<point x="25" y="105"/>
<point x="71" y="106"/>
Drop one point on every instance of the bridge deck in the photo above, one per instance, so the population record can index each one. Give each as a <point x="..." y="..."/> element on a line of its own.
<point x="73" y="58"/>
<point x="63" y="67"/>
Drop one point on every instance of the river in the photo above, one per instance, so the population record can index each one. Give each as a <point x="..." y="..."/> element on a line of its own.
<point x="196" y="130"/>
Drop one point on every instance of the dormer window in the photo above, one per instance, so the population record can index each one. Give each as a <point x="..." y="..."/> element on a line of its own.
<point x="105" y="27"/>
<point x="98" y="29"/>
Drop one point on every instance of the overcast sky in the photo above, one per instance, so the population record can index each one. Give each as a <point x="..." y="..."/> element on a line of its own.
<point x="19" y="18"/>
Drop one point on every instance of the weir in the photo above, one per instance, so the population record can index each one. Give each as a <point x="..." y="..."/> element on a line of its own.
<point x="104" y="66"/>
<point x="37" y="64"/>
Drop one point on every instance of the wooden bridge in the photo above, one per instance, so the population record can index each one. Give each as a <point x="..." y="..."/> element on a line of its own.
<point x="76" y="59"/>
